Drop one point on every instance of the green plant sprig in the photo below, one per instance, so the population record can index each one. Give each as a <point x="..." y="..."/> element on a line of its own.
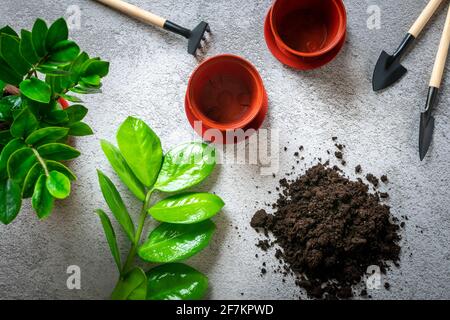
<point x="185" y="227"/>
<point x="44" y="66"/>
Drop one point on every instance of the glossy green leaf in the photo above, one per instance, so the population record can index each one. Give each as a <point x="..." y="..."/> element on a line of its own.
<point x="76" y="113"/>
<point x="10" y="200"/>
<point x="8" y="30"/>
<point x="176" y="281"/>
<point x="122" y="169"/>
<point x="71" y="98"/>
<point x="52" y="71"/>
<point x="110" y="237"/>
<point x="39" y="34"/>
<point x="64" y="51"/>
<point x="14" y="102"/>
<point x="2" y="85"/>
<point x="56" y="117"/>
<point x="83" y="90"/>
<point x="141" y="148"/>
<point x="27" y="48"/>
<point x="46" y="135"/>
<point x="24" y="124"/>
<point x="116" y="205"/>
<point x="58" y="166"/>
<point x="57" y="32"/>
<point x="36" y="90"/>
<point x="58" y="185"/>
<point x="5" y="137"/>
<point x="58" y="152"/>
<point x="7" y="151"/>
<point x="9" y="75"/>
<point x="10" y="52"/>
<point x="20" y="163"/>
<point x="187" y="208"/>
<point x="132" y="286"/>
<point x="80" y="129"/>
<point x="186" y="166"/>
<point x="42" y="201"/>
<point x="30" y="180"/>
<point x="95" y="67"/>
<point x="93" y="80"/>
<point x="175" y="242"/>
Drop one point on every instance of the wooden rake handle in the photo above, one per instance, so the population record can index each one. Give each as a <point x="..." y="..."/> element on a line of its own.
<point x="135" y="12"/>
<point x="441" y="57"/>
<point x="424" y="17"/>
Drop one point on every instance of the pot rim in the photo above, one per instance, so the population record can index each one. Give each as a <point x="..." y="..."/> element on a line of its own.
<point x="235" y="124"/>
<point x="341" y="33"/>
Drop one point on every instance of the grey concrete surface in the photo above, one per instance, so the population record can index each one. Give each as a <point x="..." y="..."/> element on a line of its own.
<point x="148" y="79"/>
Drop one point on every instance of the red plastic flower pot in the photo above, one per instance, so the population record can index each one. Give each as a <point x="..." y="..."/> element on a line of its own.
<point x="225" y="93"/>
<point x="306" y="34"/>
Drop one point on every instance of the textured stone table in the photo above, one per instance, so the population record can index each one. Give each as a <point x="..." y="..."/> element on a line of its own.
<point x="148" y="78"/>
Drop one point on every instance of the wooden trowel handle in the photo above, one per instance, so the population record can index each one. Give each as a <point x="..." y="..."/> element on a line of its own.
<point x="135" y="12"/>
<point x="441" y="58"/>
<point x="424" y="17"/>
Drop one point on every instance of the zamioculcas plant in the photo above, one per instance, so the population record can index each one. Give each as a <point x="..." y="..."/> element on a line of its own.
<point x="38" y="69"/>
<point x="185" y="227"/>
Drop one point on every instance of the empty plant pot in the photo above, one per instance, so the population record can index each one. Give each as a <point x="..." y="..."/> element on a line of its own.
<point x="225" y="93"/>
<point x="308" y="29"/>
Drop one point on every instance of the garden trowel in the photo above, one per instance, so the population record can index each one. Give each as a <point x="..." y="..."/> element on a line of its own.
<point x="426" y="118"/>
<point x="388" y="68"/>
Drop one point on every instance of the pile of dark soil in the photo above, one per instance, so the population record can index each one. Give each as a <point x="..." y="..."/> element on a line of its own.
<point x="330" y="229"/>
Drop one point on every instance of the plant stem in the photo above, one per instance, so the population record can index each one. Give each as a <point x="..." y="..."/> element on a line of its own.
<point x="41" y="161"/>
<point x="133" y="250"/>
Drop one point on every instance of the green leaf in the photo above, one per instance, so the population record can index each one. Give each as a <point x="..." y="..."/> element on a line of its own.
<point x="93" y="80"/>
<point x="186" y="166"/>
<point x="2" y="85"/>
<point x="187" y="208"/>
<point x="8" y="75"/>
<point x="83" y="90"/>
<point x="57" y="117"/>
<point x="57" y="32"/>
<point x="175" y="242"/>
<point x="10" y="52"/>
<point x="141" y="148"/>
<point x="64" y="51"/>
<point x="9" y="106"/>
<point x="36" y="90"/>
<point x="10" y="31"/>
<point x="80" y="129"/>
<point x="71" y="98"/>
<point x="58" y="152"/>
<point x="27" y="48"/>
<point x="46" y="135"/>
<point x="122" y="169"/>
<point x="20" y="163"/>
<point x="42" y="200"/>
<point x="31" y="179"/>
<point x="5" y="137"/>
<point x="133" y="286"/>
<point x="176" y="281"/>
<point x="10" y="201"/>
<point x="58" y="185"/>
<point x="24" y="124"/>
<point x="95" y="67"/>
<point x="110" y="237"/>
<point x="7" y="151"/>
<point x="58" y="166"/>
<point x="52" y="71"/>
<point x="116" y="205"/>
<point x="39" y="34"/>
<point x="76" y="113"/>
